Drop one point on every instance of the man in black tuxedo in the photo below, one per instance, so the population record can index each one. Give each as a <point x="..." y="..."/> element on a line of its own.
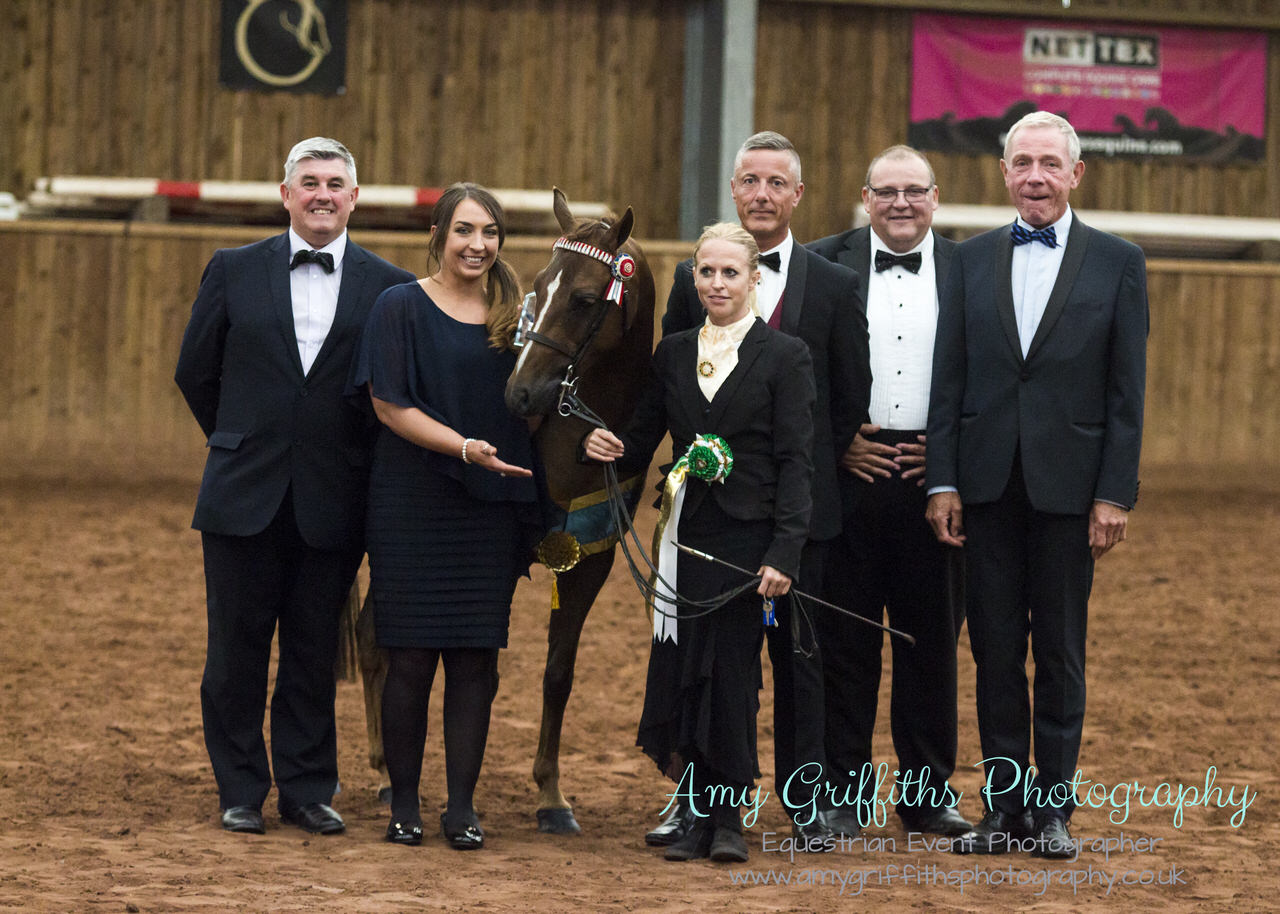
<point x="886" y="557"/>
<point x="264" y="363"/>
<point x="806" y="296"/>
<point x="1035" y="423"/>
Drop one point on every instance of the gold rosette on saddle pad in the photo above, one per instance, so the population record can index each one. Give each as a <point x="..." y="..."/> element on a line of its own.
<point x="710" y="459"/>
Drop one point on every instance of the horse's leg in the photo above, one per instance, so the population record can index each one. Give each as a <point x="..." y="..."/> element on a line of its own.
<point x="578" y="589"/>
<point x="373" y="670"/>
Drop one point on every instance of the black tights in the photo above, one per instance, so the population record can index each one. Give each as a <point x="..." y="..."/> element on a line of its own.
<point x="471" y="681"/>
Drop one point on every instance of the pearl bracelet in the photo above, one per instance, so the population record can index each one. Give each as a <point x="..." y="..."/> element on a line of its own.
<point x="465" y="443"/>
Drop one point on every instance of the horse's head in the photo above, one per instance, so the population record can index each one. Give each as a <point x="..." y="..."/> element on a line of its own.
<point x="583" y="305"/>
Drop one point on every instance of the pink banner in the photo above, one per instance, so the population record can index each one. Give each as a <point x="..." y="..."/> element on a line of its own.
<point x="1128" y="90"/>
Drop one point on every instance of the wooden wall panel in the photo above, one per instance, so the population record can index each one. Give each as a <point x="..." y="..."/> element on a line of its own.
<point x="511" y="93"/>
<point x="836" y="79"/>
<point x="92" y="314"/>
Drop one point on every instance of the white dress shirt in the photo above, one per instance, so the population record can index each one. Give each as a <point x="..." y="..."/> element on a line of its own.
<point x="902" y="317"/>
<point x="771" y="285"/>
<point x="718" y="352"/>
<point x="1034" y="271"/>
<point x="315" y="296"/>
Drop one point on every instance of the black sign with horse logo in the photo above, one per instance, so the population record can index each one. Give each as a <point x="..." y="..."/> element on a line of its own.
<point x="285" y="45"/>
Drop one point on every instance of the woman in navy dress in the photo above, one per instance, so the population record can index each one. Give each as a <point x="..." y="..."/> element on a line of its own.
<point x="451" y="501"/>
<point x="751" y="386"/>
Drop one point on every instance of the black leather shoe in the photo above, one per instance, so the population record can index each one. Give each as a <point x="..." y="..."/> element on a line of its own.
<point x="674" y="827"/>
<point x="317" y="818"/>
<point x="814" y="838"/>
<point x="944" y="820"/>
<point x="247" y="819"/>
<point x="1053" y="840"/>
<point x="843" y="822"/>
<point x="695" y="845"/>
<point x="728" y="846"/>
<point x="468" y="838"/>
<point x="994" y="834"/>
<point x="400" y="833"/>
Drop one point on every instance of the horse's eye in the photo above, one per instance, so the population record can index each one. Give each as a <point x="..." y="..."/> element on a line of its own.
<point x="581" y="300"/>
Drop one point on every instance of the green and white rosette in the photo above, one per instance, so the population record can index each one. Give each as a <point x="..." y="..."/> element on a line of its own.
<point x="710" y="459"/>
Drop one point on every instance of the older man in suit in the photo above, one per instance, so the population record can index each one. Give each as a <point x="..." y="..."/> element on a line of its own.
<point x="886" y="557"/>
<point x="806" y="296"/>
<point x="263" y="366"/>
<point x="1035" y="424"/>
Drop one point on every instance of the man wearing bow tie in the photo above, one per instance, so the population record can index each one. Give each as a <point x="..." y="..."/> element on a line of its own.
<point x="887" y="558"/>
<point x="281" y="509"/>
<point x="1035" y="423"/>
<point x="807" y="296"/>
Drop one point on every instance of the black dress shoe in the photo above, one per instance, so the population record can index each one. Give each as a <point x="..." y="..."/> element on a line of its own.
<point x="728" y="846"/>
<point x="814" y="838"/>
<point x="695" y="845"/>
<point x="247" y="819"/>
<point x="470" y="837"/>
<point x="317" y="818"/>
<point x="995" y="834"/>
<point x="842" y="823"/>
<point x="944" y="820"/>
<point x="674" y="827"/>
<point x="400" y="833"/>
<point x="1053" y="840"/>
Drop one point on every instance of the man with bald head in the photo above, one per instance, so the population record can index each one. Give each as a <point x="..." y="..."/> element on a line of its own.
<point x="886" y="558"/>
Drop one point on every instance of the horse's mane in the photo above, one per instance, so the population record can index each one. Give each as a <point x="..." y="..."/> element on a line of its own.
<point x="587" y="228"/>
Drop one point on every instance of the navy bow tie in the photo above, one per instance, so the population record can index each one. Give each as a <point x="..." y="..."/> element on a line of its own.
<point x="318" y="257"/>
<point x="1046" y="235"/>
<point x="772" y="260"/>
<point x="885" y="260"/>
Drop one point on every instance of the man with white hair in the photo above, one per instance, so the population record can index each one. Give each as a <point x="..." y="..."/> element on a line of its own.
<point x="1035" y="424"/>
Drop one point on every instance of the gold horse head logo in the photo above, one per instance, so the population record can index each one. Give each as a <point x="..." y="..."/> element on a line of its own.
<point x="309" y="32"/>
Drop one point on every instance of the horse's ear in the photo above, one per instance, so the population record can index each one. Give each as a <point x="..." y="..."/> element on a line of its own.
<point x="560" y="206"/>
<point x="621" y="230"/>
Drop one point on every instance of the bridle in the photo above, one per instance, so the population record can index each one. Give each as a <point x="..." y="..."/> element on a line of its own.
<point x="622" y="267"/>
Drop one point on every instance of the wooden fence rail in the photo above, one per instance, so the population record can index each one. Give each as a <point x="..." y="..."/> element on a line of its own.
<point x="92" y="313"/>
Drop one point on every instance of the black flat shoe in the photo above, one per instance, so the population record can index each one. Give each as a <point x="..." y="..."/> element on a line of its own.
<point x="400" y="833"/>
<point x="674" y="827"/>
<point x="246" y="819"/>
<point x="469" y="838"/>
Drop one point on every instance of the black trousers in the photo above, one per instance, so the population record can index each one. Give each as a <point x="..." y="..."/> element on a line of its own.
<point x="796" y="662"/>
<point x="1029" y="573"/>
<point x="888" y="559"/>
<point x="253" y="584"/>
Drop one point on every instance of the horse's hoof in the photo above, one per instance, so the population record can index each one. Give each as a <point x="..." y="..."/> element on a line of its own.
<point x="558" y="822"/>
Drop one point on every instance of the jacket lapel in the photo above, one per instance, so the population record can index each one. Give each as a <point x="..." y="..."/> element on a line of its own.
<point x="353" y="277"/>
<point x="941" y="263"/>
<point x="281" y="297"/>
<point x="748" y="351"/>
<point x="793" y="295"/>
<point x="1004" y="291"/>
<point x="857" y="257"/>
<point x="1072" y="258"/>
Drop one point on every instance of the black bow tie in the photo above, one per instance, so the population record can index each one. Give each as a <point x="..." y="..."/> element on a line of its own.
<point x="319" y="257"/>
<point x="772" y="260"/>
<point x="885" y="260"/>
<point x="1045" y="235"/>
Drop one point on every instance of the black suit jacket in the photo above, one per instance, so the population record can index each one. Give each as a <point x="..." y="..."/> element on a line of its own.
<point x="822" y="307"/>
<point x="269" y="426"/>
<point x="764" y="410"/>
<point x="1073" y="406"/>
<point x="853" y="250"/>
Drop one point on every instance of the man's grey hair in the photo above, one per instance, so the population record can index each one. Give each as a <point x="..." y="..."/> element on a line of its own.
<point x="319" y="147"/>
<point x="898" y="152"/>
<point x="1046" y="119"/>
<point x="767" y="139"/>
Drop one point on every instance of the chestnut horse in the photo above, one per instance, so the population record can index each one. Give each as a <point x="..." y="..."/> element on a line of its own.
<point x="588" y="333"/>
